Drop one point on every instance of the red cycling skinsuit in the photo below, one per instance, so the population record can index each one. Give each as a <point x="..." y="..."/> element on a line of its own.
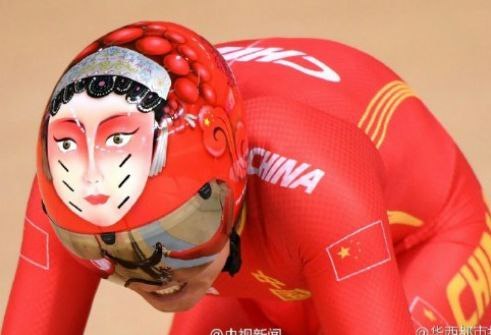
<point x="362" y="214"/>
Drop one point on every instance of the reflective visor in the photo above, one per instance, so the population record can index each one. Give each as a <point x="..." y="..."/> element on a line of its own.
<point x="190" y="236"/>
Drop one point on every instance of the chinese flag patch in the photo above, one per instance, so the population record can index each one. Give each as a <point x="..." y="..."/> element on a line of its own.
<point x="359" y="251"/>
<point x="425" y="315"/>
<point x="35" y="245"/>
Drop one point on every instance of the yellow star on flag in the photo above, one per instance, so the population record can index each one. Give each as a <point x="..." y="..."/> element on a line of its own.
<point x="343" y="252"/>
<point x="429" y="314"/>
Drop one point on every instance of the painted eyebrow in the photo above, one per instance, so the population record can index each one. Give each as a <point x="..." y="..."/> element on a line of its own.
<point x="112" y="117"/>
<point x="76" y="122"/>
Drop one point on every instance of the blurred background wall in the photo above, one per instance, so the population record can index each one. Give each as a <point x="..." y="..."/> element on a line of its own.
<point x="441" y="47"/>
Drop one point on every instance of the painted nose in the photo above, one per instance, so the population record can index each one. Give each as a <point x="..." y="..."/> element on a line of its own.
<point x="93" y="175"/>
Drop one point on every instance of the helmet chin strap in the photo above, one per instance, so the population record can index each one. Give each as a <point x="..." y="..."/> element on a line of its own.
<point x="234" y="259"/>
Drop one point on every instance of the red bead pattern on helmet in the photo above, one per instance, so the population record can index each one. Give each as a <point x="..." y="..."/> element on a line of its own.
<point x="191" y="88"/>
<point x="175" y="37"/>
<point x="153" y="45"/>
<point x="187" y="52"/>
<point x="122" y="36"/>
<point x="156" y="28"/>
<point x="186" y="90"/>
<point x="219" y="61"/>
<point x="176" y="64"/>
<point x="201" y="71"/>
<point x="207" y="93"/>
<point x="91" y="48"/>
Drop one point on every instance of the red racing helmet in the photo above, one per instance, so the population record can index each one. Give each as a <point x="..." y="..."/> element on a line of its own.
<point x="142" y="151"/>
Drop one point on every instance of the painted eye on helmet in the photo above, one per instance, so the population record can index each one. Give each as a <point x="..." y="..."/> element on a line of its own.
<point x="118" y="140"/>
<point x="66" y="144"/>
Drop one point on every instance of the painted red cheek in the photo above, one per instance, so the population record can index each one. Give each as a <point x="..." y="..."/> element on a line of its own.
<point x="80" y="152"/>
<point x="108" y="160"/>
<point x="69" y="161"/>
<point x="137" y="145"/>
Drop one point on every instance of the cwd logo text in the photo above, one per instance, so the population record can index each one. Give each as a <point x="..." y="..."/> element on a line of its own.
<point x="288" y="58"/>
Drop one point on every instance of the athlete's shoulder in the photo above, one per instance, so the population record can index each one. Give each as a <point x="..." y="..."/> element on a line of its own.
<point x="327" y="75"/>
<point x="294" y="145"/>
<point x="304" y="54"/>
<point x="311" y="174"/>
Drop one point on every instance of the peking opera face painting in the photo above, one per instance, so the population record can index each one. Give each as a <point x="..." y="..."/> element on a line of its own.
<point x="99" y="154"/>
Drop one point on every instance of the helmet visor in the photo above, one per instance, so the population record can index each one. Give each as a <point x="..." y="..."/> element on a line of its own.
<point x="190" y="236"/>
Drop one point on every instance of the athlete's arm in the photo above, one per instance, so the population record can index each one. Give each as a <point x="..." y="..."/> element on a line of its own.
<point x="329" y="206"/>
<point x="336" y="224"/>
<point x="52" y="293"/>
<point x="346" y="250"/>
